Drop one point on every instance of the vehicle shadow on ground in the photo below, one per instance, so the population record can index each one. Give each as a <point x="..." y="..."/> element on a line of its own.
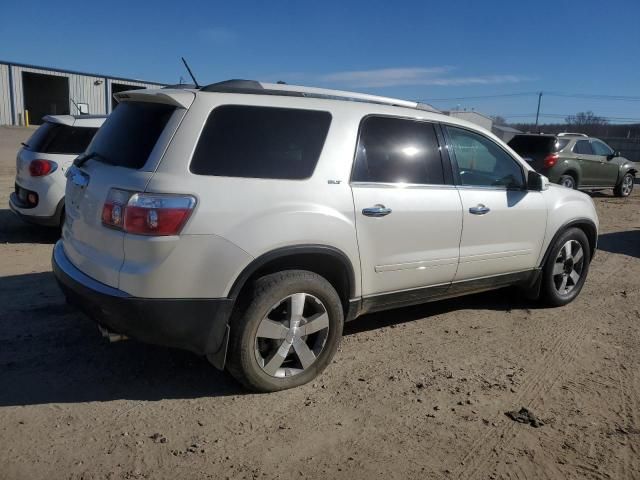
<point x="504" y="300"/>
<point x="625" y="243"/>
<point x="14" y="230"/>
<point x="50" y="353"/>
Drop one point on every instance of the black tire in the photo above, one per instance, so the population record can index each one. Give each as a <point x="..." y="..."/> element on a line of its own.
<point x="624" y="189"/>
<point x="568" y="181"/>
<point x="550" y="293"/>
<point x="267" y="292"/>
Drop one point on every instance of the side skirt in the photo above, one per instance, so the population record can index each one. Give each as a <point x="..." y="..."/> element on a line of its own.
<point x="527" y="279"/>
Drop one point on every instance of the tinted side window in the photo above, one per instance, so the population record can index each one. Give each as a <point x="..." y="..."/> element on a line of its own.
<point x="481" y="162"/>
<point x="393" y="150"/>
<point x="261" y="142"/>
<point x="600" y="148"/>
<point x="583" y="146"/>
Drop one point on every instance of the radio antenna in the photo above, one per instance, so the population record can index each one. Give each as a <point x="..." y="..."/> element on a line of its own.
<point x="195" y="82"/>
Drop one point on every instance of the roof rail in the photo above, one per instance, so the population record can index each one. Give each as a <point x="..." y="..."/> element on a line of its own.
<point x="257" y="88"/>
<point x="569" y="134"/>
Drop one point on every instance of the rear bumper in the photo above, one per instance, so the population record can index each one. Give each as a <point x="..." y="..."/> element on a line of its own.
<point x="198" y="325"/>
<point x="29" y="214"/>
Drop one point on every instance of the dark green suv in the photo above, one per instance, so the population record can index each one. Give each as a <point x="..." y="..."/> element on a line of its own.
<point x="575" y="160"/>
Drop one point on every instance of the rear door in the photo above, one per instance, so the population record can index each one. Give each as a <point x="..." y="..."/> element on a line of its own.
<point x="608" y="170"/>
<point x="503" y="223"/>
<point x="125" y="152"/>
<point x="589" y="163"/>
<point x="408" y="214"/>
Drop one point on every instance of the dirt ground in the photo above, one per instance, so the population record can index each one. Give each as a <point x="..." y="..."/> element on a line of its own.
<point x="414" y="393"/>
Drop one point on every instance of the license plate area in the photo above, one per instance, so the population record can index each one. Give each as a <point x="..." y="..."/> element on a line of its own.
<point x="77" y="183"/>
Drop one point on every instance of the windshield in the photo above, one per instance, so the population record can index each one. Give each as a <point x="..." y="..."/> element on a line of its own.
<point x="129" y="134"/>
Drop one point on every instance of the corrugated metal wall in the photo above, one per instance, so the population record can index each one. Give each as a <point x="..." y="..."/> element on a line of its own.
<point x="5" y="96"/>
<point x="83" y="88"/>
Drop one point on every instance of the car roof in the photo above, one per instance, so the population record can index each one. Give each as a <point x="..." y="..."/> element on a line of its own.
<point x="76" y="120"/>
<point x="296" y="96"/>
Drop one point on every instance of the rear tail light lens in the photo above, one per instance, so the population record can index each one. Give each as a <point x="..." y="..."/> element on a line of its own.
<point x="550" y="160"/>
<point x="40" y="168"/>
<point x="147" y="213"/>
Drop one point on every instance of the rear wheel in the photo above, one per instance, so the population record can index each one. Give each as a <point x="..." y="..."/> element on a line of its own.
<point x="287" y="332"/>
<point x="566" y="269"/>
<point x="567" y="181"/>
<point x="625" y="187"/>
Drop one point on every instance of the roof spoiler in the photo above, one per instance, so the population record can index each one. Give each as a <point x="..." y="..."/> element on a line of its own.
<point x="178" y="98"/>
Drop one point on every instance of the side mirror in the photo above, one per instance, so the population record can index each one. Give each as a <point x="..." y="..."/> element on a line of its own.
<point x="535" y="181"/>
<point x="613" y="155"/>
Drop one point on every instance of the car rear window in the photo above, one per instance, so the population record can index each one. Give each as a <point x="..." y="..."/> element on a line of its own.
<point x="60" y="139"/>
<point x="527" y="145"/>
<point x="129" y="134"/>
<point x="261" y="142"/>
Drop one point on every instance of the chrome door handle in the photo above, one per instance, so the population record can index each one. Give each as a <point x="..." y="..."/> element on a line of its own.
<point x="479" y="209"/>
<point x="376" y="211"/>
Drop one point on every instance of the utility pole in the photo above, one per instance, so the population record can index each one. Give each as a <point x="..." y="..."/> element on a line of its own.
<point x="538" y="112"/>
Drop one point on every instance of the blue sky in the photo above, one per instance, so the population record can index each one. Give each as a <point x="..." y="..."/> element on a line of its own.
<point x="412" y="49"/>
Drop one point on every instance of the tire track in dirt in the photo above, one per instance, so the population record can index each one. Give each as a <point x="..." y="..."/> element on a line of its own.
<point x="546" y="374"/>
<point x="549" y="370"/>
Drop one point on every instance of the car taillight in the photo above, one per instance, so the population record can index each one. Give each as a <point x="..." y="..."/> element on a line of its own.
<point x="147" y="213"/>
<point x="40" y="168"/>
<point x="550" y="160"/>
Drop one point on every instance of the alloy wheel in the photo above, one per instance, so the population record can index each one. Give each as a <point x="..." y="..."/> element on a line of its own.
<point x="567" y="182"/>
<point x="568" y="267"/>
<point x="292" y="335"/>
<point x="627" y="185"/>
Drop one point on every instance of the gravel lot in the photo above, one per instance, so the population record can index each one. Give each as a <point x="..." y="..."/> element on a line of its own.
<point x="414" y="393"/>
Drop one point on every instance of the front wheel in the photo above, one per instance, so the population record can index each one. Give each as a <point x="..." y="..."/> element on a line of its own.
<point x="565" y="271"/>
<point x="625" y="187"/>
<point x="286" y="332"/>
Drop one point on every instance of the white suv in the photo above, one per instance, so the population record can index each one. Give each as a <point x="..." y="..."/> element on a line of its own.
<point x="247" y="221"/>
<point x="42" y="162"/>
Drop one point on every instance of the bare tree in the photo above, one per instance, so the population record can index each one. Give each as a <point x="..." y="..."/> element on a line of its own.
<point x="498" y="120"/>
<point x="585" y="118"/>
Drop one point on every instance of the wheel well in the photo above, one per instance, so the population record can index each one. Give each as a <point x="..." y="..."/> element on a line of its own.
<point x="591" y="233"/>
<point x="586" y="226"/>
<point x="329" y="265"/>
<point x="572" y="173"/>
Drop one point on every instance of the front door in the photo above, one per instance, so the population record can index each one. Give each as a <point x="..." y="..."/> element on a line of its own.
<point x="408" y="213"/>
<point x="503" y="223"/>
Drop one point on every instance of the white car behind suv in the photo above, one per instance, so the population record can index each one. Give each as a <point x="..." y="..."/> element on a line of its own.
<point x="42" y="162"/>
<point x="248" y="221"/>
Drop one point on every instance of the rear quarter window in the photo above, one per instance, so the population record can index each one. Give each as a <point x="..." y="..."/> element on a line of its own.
<point x="61" y="139"/>
<point x="261" y="142"/>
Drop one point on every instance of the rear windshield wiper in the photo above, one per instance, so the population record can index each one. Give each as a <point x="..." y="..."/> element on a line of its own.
<point x="25" y="145"/>
<point x="82" y="159"/>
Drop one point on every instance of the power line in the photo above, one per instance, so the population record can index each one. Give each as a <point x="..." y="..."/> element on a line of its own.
<point x="479" y="97"/>
<point x="594" y="96"/>
<point x="626" y="98"/>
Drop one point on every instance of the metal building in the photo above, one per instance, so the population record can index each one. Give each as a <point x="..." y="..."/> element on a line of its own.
<point x="472" y="116"/>
<point x="33" y="91"/>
